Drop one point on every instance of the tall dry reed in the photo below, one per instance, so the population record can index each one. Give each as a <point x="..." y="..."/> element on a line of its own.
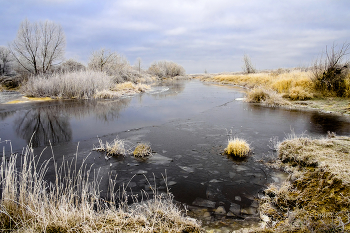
<point x="72" y="203"/>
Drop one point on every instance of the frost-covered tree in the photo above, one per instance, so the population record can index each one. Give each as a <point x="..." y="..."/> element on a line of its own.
<point x="5" y="60"/>
<point x="38" y="46"/>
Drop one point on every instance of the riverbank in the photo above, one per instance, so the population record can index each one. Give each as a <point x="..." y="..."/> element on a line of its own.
<point x="291" y="88"/>
<point x="316" y="196"/>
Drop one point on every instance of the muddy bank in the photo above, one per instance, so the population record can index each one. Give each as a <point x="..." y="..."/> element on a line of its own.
<point x="315" y="197"/>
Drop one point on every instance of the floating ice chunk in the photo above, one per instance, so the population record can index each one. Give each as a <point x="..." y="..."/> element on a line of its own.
<point x="158" y="159"/>
<point x="187" y="169"/>
<point x="235" y="208"/>
<point x="203" y="202"/>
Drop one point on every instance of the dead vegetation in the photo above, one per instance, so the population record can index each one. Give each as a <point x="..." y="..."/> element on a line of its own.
<point x="72" y="203"/>
<point x="237" y="147"/>
<point x="116" y="148"/>
<point x="267" y="97"/>
<point x="142" y="150"/>
<point x="316" y="196"/>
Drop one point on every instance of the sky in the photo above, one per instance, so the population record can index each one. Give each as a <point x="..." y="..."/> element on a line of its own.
<point x="200" y="35"/>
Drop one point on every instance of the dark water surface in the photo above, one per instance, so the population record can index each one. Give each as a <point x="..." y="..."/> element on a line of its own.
<point x="187" y="124"/>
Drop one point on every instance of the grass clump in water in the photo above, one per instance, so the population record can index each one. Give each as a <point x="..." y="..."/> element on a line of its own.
<point x="142" y="150"/>
<point x="316" y="196"/>
<point x="237" y="147"/>
<point x="115" y="148"/>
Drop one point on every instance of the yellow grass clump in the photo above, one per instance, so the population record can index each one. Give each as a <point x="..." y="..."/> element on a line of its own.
<point x="237" y="147"/>
<point x="268" y="97"/>
<point x="106" y="94"/>
<point x="142" y="150"/>
<point x="129" y="87"/>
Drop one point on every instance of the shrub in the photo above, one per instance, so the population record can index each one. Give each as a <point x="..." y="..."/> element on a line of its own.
<point x="142" y="150"/>
<point x="70" y="66"/>
<point x="257" y="95"/>
<point x="237" y="147"/>
<point x="81" y="85"/>
<point x="115" y="65"/>
<point x="267" y="97"/>
<point x="329" y="74"/>
<point x="248" y="67"/>
<point x="166" y="69"/>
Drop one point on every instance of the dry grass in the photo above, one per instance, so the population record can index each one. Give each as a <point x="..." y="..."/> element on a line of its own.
<point x="295" y="84"/>
<point x="142" y="150"/>
<point x="166" y="69"/>
<point x="331" y="154"/>
<point x="237" y="147"/>
<point x="130" y="88"/>
<point x="73" y="202"/>
<point x="115" y="148"/>
<point x="267" y="97"/>
<point x="81" y="85"/>
<point x="316" y="196"/>
<point x="106" y="94"/>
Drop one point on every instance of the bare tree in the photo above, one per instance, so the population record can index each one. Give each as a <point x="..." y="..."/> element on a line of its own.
<point x="70" y="65"/>
<point x="5" y="60"/>
<point x="113" y="64"/>
<point x="38" y="46"/>
<point x="329" y="73"/>
<point x="248" y="66"/>
<point x="102" y="59"/>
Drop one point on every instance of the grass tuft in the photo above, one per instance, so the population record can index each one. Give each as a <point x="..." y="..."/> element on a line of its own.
<point x="130" y="88"/>
<point x="237" y="147"/>
<point x="268" y="97"/>
<point x="142" y="150"/>
<point x="115" y="148"/>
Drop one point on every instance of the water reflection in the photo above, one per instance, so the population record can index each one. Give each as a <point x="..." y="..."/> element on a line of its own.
<point x="43" y="125"/>
<point x="173" y="88"/>
<point x="51" y="123"/>
<point x="4" y="115"/>
<point x="322" y="123"/>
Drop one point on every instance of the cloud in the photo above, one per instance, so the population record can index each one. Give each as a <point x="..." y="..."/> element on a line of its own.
<point x="201" y="33"/>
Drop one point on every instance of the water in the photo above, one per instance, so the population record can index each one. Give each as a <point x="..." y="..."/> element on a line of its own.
<point x="187" y="124"/>
<point x="7" y="96"/>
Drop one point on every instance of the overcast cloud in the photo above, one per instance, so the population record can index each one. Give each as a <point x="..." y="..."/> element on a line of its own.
<point x="200" y="35"/>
